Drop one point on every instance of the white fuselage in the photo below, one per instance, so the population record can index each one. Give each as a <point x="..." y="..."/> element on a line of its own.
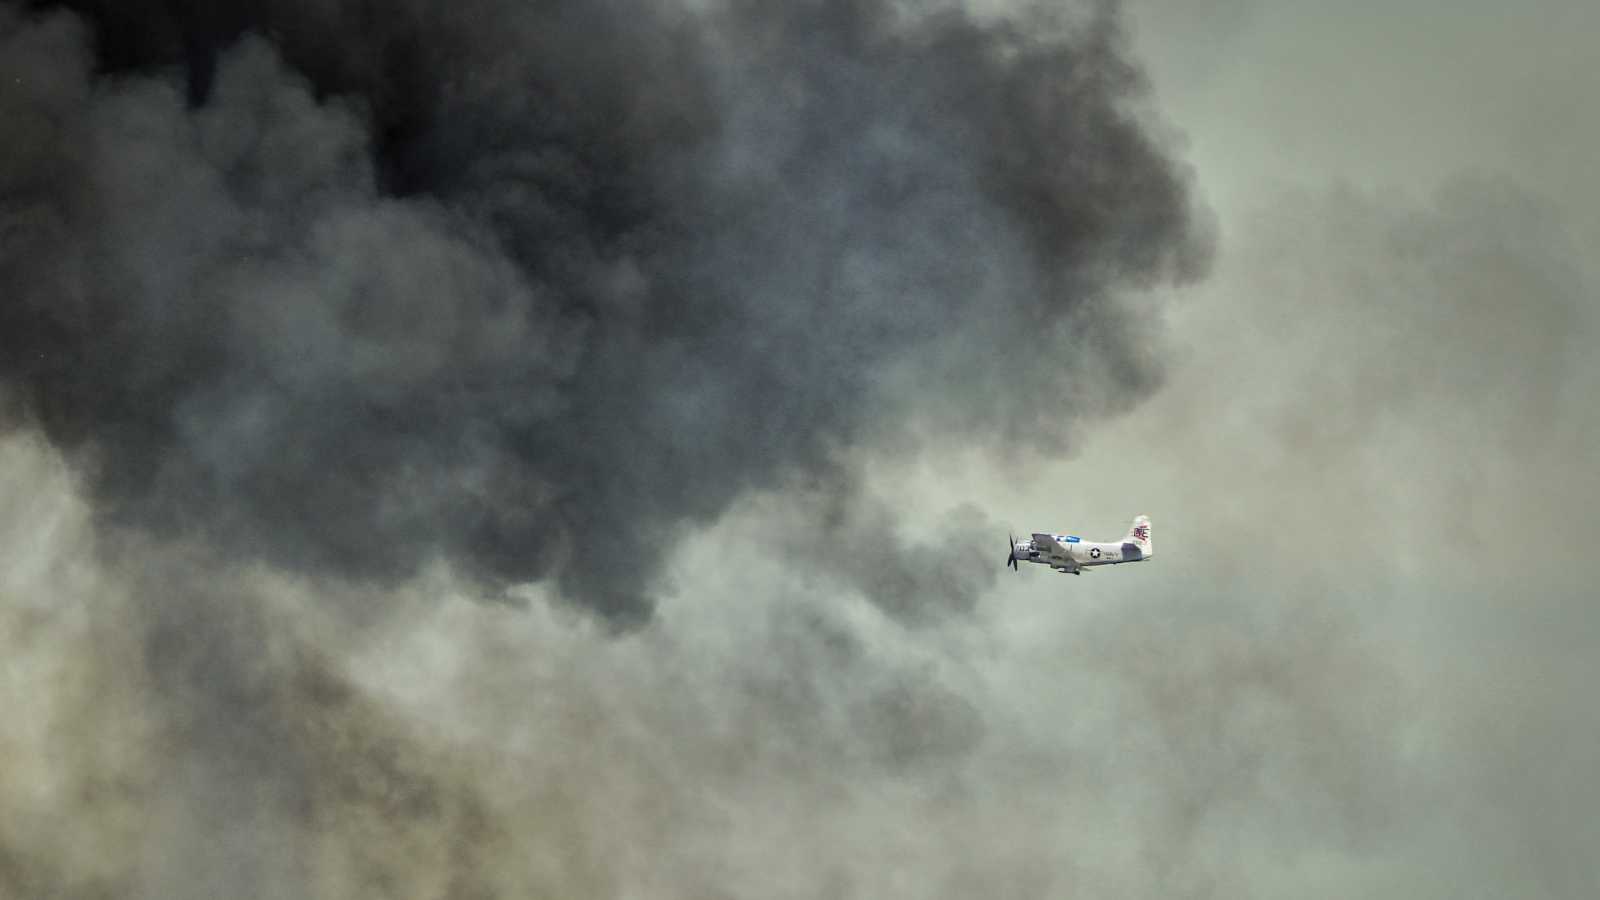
<point x="1070" y="553"/>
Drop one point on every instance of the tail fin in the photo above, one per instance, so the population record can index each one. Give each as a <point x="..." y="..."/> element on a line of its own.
<point x="1139" y="535"/>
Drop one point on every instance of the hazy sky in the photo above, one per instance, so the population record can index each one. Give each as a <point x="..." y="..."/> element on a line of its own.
<point x="1349" y="375"/>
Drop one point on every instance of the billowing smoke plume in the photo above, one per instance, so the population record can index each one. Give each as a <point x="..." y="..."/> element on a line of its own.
<point x="351" y="288"/>
<point x="317" y="315"/>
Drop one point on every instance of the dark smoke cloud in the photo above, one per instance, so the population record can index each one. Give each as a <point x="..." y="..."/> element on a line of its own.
<point x="350" y="289"/>
<point x="331" y="312"/>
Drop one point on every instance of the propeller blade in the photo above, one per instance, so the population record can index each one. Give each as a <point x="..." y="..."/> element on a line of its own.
<point x="1011" y="558"/>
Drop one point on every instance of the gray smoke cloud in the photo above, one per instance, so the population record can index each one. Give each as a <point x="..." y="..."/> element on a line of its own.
<point x="517" y="287"/>
<point x="319" y="317"/>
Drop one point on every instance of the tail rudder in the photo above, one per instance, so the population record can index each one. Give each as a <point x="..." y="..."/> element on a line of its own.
<point x="1139" y="536"/>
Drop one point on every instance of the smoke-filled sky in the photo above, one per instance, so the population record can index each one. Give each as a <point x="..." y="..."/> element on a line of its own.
<point x="499" y="449"/>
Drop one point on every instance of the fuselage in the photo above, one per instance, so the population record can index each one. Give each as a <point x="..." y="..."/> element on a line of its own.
<point x="1072" y="552"/>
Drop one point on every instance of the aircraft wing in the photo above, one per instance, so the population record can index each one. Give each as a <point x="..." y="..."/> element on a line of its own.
<point x="1056" y="551"/>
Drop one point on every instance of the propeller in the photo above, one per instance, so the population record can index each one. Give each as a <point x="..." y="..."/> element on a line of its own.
<point x="1011" y="558"/>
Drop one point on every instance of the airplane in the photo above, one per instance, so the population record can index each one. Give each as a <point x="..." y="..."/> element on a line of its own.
<point x="1069" y="553"/>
